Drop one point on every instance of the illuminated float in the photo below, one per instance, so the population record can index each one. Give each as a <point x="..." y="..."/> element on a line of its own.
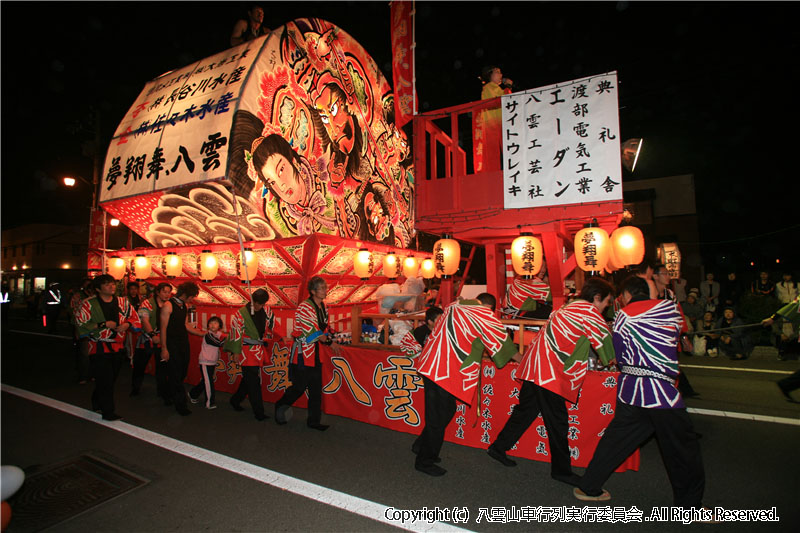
<point x="284" y="149"/>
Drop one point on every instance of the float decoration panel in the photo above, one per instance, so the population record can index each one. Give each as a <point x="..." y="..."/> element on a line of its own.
<point x="289" y="134"/>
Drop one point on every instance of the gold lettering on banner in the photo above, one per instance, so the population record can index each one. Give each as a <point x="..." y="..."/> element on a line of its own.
<point x="400" y="379"/>
<point x="278" y="370"/>
<point x="343" y="373"/>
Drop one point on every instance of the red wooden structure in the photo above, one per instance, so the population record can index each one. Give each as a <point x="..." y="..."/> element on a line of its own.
<point x="470" y="206"/>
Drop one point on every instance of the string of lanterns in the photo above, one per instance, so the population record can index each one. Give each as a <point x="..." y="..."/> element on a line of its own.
<point x="364" y="265"/>
<point x="595" y="251"/>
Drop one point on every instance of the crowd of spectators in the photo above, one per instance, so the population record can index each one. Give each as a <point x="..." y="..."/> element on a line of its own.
<point x="731" y="311"/>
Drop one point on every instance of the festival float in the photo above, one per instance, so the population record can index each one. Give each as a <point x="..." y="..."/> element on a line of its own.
<point x="284" y="158"/>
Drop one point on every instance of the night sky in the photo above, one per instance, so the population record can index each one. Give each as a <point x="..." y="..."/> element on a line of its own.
<point x="711" y="87"/>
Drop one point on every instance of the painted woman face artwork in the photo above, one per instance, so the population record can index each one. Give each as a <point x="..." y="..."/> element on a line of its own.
<point x="300" y="139"/>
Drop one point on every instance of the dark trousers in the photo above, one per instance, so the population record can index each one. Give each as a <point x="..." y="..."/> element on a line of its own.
<point x="440" y="407"/>
<point x="733" y="348"/>
<point x="52" y="312"/>
<point x="302" y="378"/>
<point x="177" y="366"/>
<point x="533" y="400"/>
<point x="684" y="387"/>
<point x="790" y="383"/>
<point x="677" y="440"/>
<point x="206" y="385"/>
<point x="141" y="358"/>
<point x="82" y="365"/>
<point x="105" y="367"/>
<point x="250" y="386"/>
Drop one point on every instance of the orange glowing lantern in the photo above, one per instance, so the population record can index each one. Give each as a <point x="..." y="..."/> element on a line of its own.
<point x="172" y="265"/>
<point x="116" y="267"/>
<point x="628" y="243"/>
<point x="410" y="266"/>
<point x="446" y="256"/>
<point x="526" y="255"/>
<point x="591" y="249"/>
<point x="248" y="268"/>
<point x="363" y="264"/>
<point x="428" y="268"/>
<point x="613" y="263"/>
<point x="391" y="265"/>
<point x="207" y="266"/>
<point x="142" y="267"/>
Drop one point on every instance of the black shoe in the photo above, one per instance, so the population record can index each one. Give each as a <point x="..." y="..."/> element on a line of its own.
<point x="569" y="479"/>
<point x="318" y="426"/>
<point x="497" y="455"/>
<point x="111" y="417"/>
<point x="415" y="448"/>
<point x="236" y="406"/>
<point x="431" y="470"/>
<point x="785" y="393"/>
<point x="261" y="417"/>
<point x="281" y="412"/>
<point x="183" y="410"/>
<point x="95" y="408"/>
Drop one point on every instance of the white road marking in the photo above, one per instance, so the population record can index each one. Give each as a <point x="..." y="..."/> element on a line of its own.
<point x="745" y="416"/>
<point x="738" y="369"/>
<point x="334" y="498"/>
<point x="39" y="334"/>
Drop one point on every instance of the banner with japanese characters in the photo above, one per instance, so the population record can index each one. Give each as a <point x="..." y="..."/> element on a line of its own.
<point x="176" y="131"/>
<point x="561" y="144"/>
<point x="289" y="134"/>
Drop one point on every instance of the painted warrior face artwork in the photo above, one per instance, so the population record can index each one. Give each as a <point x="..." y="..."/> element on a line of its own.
<point x="286" y="135"/>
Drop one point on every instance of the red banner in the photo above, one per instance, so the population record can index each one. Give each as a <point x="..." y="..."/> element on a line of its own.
<point x="402" y="62"/>
<point x="96" y="242"/>
<point x="383" y="388"/>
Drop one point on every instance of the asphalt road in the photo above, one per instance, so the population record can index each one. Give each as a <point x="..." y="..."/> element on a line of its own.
<point x="223" y="471"/>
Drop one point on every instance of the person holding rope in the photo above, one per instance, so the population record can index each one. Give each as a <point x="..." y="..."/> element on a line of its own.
<point x="450" y="366"/>
<point x="305" y="366"/>
<point x="104" y="320"/>
<point x="552" y="373"/>
<point x="251" y="328"/>
<point x="789" y="313"/>
<point x="645" y="335"/>
<point x="175" y="328"/>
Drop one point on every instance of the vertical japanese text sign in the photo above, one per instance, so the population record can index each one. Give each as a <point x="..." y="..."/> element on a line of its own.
<point x="561" y="144"/>
<point x="176" y="131"/>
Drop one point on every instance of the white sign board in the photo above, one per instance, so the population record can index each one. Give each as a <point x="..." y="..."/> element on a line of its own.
<point x="177" y="130"/>
<point x="561" y="144"/>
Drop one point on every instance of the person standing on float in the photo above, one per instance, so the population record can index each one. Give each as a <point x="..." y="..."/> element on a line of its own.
<point x="487" y="127"/>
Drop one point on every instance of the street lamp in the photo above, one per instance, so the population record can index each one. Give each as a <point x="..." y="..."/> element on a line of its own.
<point x="71" y="181"/>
